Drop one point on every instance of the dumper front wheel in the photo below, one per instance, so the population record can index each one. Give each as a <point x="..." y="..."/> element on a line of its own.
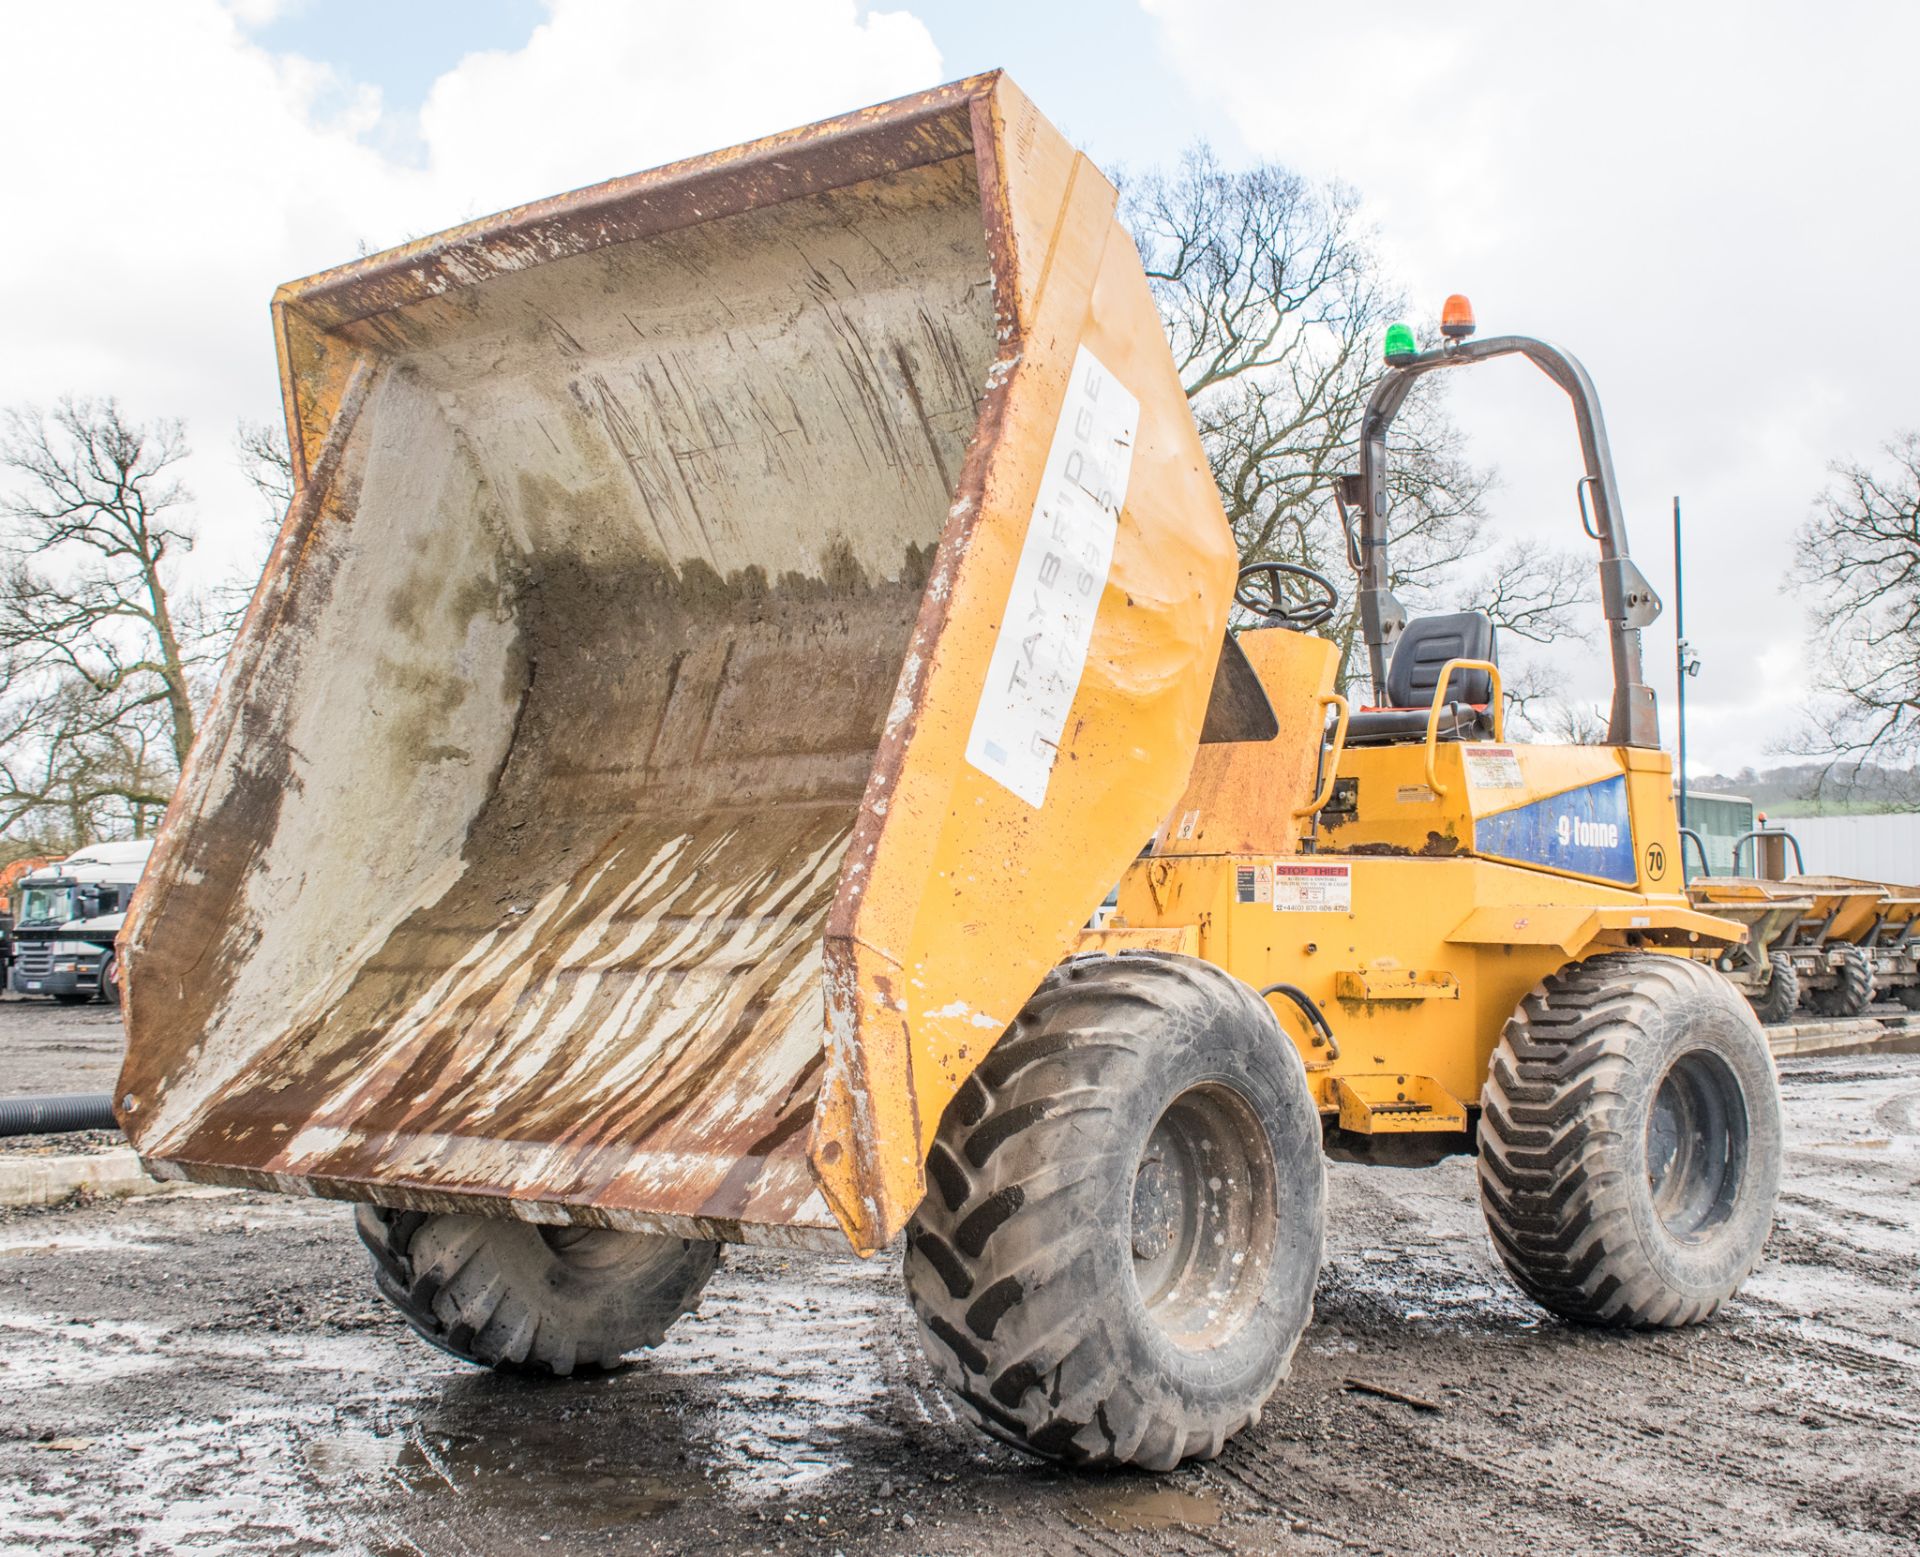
<point x="1124" y="1219"/>
<point x="527" y="1299"/>
<point x="1630" y="1142"/>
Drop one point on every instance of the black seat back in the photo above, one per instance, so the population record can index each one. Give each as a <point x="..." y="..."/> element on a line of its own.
<point x="1426" y="644"/>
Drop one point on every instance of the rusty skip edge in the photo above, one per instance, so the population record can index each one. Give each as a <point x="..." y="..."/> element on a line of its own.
<point x="849" y="1080"/>
<point x="909" y="132"/>
<point x="846" y="150"/>
<point x="544" y="1213"/>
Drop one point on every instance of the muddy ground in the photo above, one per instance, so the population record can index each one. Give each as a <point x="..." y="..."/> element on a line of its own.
<point x="210" y="1371"/>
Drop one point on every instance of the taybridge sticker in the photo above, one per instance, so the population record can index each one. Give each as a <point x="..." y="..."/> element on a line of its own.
<point x="1585" y="831"/>
<point x="1041" y="651"/>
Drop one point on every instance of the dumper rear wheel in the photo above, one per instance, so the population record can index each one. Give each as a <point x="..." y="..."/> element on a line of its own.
<point x="1123" y="1227"/>
<point x="1780" y="1000"/>
<point x="1630" y="1142"/>
<point x="1852" y="991"/>
<point x="521" y="1298"/>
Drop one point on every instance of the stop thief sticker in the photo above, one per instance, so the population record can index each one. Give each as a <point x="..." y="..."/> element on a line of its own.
<point x="1296" y="888"/>
<point x="1312" y="889"/>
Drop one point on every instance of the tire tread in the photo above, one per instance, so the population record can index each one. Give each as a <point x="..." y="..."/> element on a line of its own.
<point x="464" y="1303"/>
<point x="998" y="1261"/>
<point x="1556" y="1207"/>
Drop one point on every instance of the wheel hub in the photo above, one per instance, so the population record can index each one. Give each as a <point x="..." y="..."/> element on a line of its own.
<point x="588" y="1248"/>
<point x="1204" y="1216"/>
<point x="1697" y="1136"/>
<point x="1156" y="1216"/>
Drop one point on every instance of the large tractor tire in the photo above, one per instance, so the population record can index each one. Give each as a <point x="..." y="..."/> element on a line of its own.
<point x="1853" y="991"/>
<point x="521" y="1298"/>
<point x="1124" y="1219"/>
<point x="1780" y="1001"/>
<point x="1630" y="1142"/>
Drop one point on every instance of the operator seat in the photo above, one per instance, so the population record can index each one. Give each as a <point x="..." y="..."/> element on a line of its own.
<point x="1413" y="675"/>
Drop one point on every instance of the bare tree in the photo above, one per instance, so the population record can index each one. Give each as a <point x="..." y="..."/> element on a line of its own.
<point x="267" y="463"/>
<point x="103" y="652"/>
<point x="1857" y="562"/>
<point x="1275" y="302"/>
<point x="1539" y="709"/>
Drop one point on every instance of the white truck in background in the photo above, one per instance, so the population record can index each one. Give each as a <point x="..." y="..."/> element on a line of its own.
<point x="65" y="921"/>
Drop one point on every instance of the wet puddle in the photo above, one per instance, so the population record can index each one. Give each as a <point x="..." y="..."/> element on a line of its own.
<point x="1147" y="1507"/>
<point x="1415" y="1289"/>
<point x="43" y="1353"/>
<point x="534" y="1469"/>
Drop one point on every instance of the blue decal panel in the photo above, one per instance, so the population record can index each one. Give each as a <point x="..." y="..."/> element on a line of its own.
<point x="1585" y="831"/>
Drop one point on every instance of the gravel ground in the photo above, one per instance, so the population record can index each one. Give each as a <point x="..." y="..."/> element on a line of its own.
<point x="210" y="1371"/>
<point x="47" y="1047"/>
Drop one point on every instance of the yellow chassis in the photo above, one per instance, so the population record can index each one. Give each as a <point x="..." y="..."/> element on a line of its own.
<point x="1437" y="884"/>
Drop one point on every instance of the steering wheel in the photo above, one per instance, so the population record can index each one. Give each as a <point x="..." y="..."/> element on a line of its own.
<point x="1262" y="588"/>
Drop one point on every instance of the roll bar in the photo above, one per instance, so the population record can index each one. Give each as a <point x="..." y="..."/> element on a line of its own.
<point x="1626" y="598"/>
<point x="1756" y="836"/>
<point x="1689" y="836"/>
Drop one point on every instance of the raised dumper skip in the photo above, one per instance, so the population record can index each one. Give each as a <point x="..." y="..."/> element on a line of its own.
<point x="735" y="625"/>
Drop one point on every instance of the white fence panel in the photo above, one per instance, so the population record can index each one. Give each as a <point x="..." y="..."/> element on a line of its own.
<point x="1875" y="848"/>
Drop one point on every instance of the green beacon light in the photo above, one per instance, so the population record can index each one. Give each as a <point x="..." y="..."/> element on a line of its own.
<point x="1400" y="343"/>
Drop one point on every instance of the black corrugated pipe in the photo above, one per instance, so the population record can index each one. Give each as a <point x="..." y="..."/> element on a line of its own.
<point x="57" y="1115"/>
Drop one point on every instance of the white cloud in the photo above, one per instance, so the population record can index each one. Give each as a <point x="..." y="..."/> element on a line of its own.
<point x="604" y="88"/>
<point x="1708" y="203"/>
<point x="164" y="174"/>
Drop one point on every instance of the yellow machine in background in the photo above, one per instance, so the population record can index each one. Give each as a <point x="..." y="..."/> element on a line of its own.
<point x="1829" y="944"/>
<point x="733" y="625"/>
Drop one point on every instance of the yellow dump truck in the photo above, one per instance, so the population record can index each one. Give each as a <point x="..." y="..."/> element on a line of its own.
<point x="1823" y="938"/>
<point x="1759" y="967"/>
<point x="735" y="625"/>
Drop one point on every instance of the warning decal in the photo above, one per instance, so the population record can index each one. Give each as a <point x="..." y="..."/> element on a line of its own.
<point x="1492" y="767"/>
<point x="1041" y="651"/>
<point x="1312" y="889"/>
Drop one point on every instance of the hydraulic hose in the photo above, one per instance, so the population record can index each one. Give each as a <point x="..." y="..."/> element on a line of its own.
<point x="57" y="1115"/>
<point x="1314" y="1015"/>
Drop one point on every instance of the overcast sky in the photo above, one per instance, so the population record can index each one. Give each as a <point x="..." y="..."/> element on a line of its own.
<point x="1711" y="203"/>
